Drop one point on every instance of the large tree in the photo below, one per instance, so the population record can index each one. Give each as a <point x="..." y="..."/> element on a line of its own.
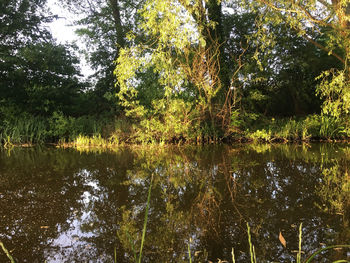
<point x="185" y="48"/>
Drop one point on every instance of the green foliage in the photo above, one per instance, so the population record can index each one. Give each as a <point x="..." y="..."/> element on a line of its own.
<point x="291" y="129"/>
<point x="335" y="88"/>
<point x="260" y="135"/>
<point x="69" y="128"/>
<point x="184" y="70"/>
<point x="305" y="129"/>
<point x="324" y="126"/>
<point x="60" y="125"/>
<point x="25" y="129"/>
<point x="186" y="66"/>
<point x="36" y="74"/>
<point x="22" y="23"/>
<point x="169" y="121"/>
<point x="329" y="19"/>
<point x="103" y="25"/>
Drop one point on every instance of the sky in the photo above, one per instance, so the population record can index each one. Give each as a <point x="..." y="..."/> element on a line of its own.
<point x="60" y="28"/>
<point x="63" y="31"/>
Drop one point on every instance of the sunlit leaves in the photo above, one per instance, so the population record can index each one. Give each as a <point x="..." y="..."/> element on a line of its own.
<point x="177" y="53"/>
<point x="335" y="88"/>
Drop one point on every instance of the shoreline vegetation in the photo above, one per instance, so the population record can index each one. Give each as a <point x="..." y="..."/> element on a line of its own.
<point x="201" y="73"/>
<point x="175" y="72"/>
<point x="106" y="132"/>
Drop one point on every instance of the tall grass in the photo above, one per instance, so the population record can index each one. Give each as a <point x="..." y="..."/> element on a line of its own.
<point x="138" y="258"/>
<point x="319" y="127"/>
<point x="58" y="128"/>
<point x="26" y="129"/>
<point x="233" y="255"/>
<point x="109" y="131"/>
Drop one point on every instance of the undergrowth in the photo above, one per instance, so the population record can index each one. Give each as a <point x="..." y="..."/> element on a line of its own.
<point x="111" y="131"/>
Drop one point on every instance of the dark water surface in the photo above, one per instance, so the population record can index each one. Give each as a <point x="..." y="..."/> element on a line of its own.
<point x="61" y="205"/>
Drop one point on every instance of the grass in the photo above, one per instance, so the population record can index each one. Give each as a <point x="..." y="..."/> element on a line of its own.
<point x="309" y="260"/>
<point x="104" y="132"/>
<point x="299" y="247"/>
<point x="253" y="258"/>
<point x="316" y="127"/>
<point x="24" y="130"/>
<point x="233" y="256"/>
<point x="138" y="258"/>
<point x="95" y="141"/>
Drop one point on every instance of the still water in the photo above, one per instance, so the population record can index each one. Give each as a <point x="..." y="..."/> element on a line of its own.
<point x="59" y="205"/>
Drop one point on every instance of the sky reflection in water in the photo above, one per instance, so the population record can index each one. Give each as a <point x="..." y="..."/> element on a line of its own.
<point x="69" y="206"/>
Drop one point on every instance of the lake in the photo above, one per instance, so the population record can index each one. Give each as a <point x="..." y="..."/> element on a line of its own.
<point x="85" y="205"/>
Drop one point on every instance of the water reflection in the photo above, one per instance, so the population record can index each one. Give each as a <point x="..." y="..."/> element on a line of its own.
<point x="69" y="206"/>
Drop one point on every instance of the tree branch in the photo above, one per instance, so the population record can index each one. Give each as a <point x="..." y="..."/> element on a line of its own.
<point x="303" y="12"/>
<point x="324" y="48"/>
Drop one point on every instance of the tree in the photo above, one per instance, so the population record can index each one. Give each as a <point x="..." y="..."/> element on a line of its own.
<point x="21" y="24"/>
<point x="103" y="26"/>
<point x="185" y="47"/>
<point x="332" y="20"/>
<point x="50" y="78"/>
<point x="36" y="74"/>
<point x="282" y="83"/>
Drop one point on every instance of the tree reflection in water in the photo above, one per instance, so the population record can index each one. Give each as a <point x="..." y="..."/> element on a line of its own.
<point x="65" y="206"/>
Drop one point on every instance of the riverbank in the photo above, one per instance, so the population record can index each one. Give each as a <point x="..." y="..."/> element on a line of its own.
<point x="109" y="131"/>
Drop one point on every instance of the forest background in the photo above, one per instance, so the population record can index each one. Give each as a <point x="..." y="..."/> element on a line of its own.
<point x="171" y="71"/>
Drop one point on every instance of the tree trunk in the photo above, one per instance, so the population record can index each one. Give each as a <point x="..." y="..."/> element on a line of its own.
<point x="118" y="23"/>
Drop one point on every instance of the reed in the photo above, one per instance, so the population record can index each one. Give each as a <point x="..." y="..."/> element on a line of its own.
<point x="189" y="250"/>
<point x="299" y="247"/>
<point x="233" y="256"/>
<point x="24" y="130"/>
<point x="251" y="246"/>
<point x="320" y="127"/>
<point x="7" y="252"/>
<point x="95" y="141"/>
<point x="145" y="220"/>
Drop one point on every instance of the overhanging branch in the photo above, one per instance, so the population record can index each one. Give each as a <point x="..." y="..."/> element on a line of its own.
<point x="324" y="48"/>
